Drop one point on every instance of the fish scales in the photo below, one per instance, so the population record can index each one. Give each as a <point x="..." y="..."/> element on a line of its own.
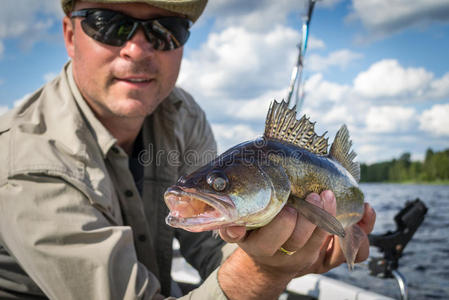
<point x="250" y="183"/>
<point x="309" y="173"/>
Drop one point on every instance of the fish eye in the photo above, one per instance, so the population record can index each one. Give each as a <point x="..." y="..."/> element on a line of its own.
<point x="219" y="184"/>
<point x="217" y="181"/>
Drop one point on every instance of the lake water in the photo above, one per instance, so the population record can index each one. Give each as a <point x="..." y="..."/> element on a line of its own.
<point x="425" y="262"/>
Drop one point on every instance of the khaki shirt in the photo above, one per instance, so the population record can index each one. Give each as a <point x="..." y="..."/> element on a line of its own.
<point x="72" y="222"/>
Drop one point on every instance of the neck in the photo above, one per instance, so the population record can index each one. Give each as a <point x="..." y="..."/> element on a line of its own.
<point x="125" y="130"/>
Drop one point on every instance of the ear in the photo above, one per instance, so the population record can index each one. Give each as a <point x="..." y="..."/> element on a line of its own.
<point x="69" y="36"/>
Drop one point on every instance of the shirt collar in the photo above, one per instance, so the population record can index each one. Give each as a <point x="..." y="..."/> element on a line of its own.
<point x="105" y="140"/>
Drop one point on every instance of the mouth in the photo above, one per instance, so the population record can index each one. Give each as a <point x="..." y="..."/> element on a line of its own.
<point x="135" y="81"/>
<point x="197" y="211"/>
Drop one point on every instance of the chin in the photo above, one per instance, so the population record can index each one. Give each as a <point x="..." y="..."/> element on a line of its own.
<point x="133" y="109"/>
<point x="132" y="113"/>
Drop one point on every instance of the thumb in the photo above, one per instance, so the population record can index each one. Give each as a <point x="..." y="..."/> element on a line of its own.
<point x="233" y="234"/>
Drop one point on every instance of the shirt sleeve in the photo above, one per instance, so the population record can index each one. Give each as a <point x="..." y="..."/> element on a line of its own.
<point x="209" y="290"/>
<point x="67" y="246"/>
<point x="201" y="250"/>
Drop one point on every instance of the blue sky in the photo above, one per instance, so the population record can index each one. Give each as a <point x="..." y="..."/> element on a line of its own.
<point x="380" y="66"/>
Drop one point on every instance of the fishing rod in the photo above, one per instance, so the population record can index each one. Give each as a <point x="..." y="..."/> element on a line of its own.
<point x="407" y="220"/>
<point x="296" y="77"/>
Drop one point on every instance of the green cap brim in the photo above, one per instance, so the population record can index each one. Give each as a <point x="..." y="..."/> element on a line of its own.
<point x="192" y="9"/>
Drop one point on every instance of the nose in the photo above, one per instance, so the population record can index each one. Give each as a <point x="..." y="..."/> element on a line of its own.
<point x="138" y="47"/>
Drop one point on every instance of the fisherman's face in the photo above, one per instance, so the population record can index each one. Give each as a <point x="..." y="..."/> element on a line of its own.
<point x="126" y="81"/>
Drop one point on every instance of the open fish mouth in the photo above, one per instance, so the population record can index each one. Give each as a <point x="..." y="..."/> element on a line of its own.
<point x="195" y="211"/>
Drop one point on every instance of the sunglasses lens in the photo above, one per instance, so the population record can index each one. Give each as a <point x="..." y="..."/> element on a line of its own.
<point x="107" y="27"/>
<point x="168" y="33"/>
<point x="114" y="28"/>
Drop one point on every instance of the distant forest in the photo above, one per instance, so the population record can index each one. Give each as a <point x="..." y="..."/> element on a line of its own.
<point x="434" y="168"/>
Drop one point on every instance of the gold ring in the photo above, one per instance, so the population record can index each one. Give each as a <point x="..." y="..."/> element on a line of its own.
<point x="286" y="251"/>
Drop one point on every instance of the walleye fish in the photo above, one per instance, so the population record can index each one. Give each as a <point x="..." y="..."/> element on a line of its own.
<point x="250" y="183"/>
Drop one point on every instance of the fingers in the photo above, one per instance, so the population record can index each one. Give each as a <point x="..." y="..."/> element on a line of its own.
<point x="368" y="219"/>
<point x="366" y="224"/>
<point x="363" y="252"/>
<point x="330" y="203"/>
<point x="315" y="249"/>
<point x="233" y="234"/>
<point x="305" y="231"/>
<point x="319" y="236"/>
<point x="294" y="232"/>
<point x="267" y="240"/>
<point x="304" y="228"/>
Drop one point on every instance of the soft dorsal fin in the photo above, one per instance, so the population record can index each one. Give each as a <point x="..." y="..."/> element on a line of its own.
<point x="281" y="124"/>
<point x="340" y="152"/>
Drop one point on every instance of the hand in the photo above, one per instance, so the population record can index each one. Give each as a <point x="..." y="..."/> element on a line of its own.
<point x="316" y="250"/>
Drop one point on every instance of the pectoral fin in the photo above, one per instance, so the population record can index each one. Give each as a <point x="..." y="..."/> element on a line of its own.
<point x="318" y="216"/>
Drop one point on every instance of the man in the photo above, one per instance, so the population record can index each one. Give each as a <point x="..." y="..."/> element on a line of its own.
<point x="80" y="215"/>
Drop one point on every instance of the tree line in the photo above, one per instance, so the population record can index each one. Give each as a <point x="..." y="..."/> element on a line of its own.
<point x="435" y="167"/>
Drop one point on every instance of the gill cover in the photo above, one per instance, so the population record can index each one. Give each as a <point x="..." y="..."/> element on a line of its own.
<point x="249" y="188"/>
<point x="266" y="203"/>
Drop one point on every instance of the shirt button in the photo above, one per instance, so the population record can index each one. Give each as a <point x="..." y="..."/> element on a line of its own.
<point x="142" y="237"/>
<point x="129" y="193"/>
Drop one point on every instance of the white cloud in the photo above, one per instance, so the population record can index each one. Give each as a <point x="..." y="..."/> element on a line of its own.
<point x="341" y="58"/>
<point x="319" y="91"/>
<point x="247" y="61"/>
<point x="3" y="109"/>
<point x="28" y="20"/>
<point x="380" y="132"/>
<point x="436" y="120"/>
<point x="387" y="78"/>
<point x="385" y="119"/>
<point x="16" y="103"/>
<point x="21" y="100"/>
<point x="439" y="88"/>
<point x="50" y="76"/>
<point x="262" y="61"/>
<point x="258" y="15"/>
<point x="254" y="109"/>
<point x="370" y="151"/>
<point x="328" y="3"/>
<point x="315" y="43"/>
<point x="386" y="17"/>
<point x="229" y="135"/>
<point x="338" y="115"/>
<point x="380" y="17"/>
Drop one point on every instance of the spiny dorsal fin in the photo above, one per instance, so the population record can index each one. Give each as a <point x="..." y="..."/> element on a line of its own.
<point x="340" y="152"/>
<point x="281" y="124"/>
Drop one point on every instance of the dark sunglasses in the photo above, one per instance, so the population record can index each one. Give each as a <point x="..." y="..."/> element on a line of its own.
<point x="114" y="28"/>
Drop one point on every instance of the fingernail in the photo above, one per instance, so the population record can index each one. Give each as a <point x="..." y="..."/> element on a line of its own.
<point x="291" y="209"/>
<point x="371" y="210"/>
<point x="231" y="234"/>
<point x="315" y="198"/>
<point x="328" y="196"/>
